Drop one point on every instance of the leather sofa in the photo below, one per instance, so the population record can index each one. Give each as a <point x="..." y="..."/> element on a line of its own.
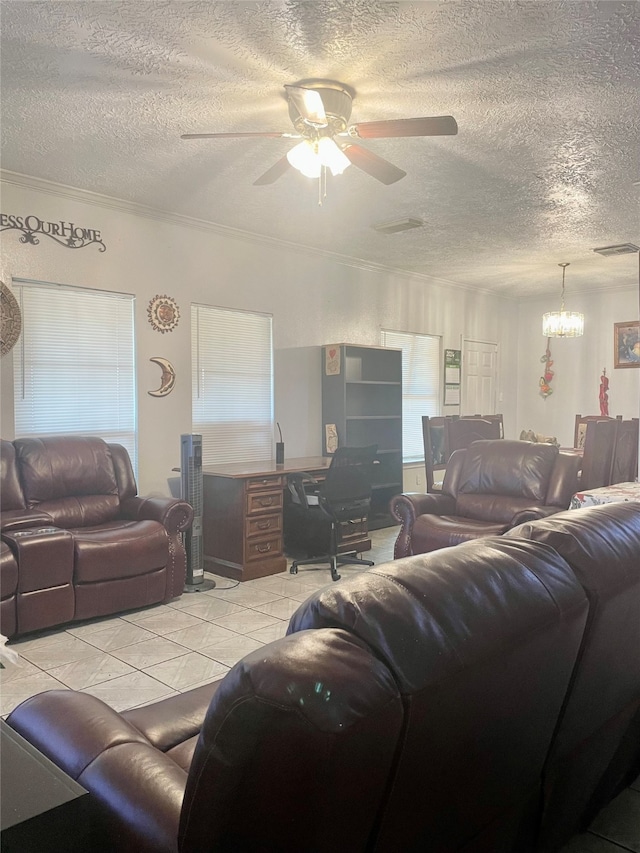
<point x="441" y="702"/>
<point x="77" y="540"/>
<point x="488" y="488"/>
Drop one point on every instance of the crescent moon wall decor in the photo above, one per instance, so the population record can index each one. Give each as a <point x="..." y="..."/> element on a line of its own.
<point x="168" y="377"/>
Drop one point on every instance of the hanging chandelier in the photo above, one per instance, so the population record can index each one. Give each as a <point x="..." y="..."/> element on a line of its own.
<point x="562" y="324"/>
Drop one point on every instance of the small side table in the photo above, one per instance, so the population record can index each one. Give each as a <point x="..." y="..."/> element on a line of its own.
<point x="42" y="807"/>
<point x="606" y="495"/>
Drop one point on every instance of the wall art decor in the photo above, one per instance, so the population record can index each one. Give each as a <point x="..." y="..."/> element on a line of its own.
<point x="332" y="361"/>
<point x="626" y="344"/>
<point x="164" y="313"/>
<point x="11" y="319"/>
<point x="545" y="380"/>
<point x="168" y="377"/>
<point x="67" y="234"/>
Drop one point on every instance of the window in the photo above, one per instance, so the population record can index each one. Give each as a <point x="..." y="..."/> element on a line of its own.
<point x="74" y="366"/>
<point x="421" y="386"/>
<point x="232" y="384"/>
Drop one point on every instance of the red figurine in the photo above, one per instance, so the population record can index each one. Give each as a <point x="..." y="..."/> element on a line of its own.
<point x="604" y="396"/>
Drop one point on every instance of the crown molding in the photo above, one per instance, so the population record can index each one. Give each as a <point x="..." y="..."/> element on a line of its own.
<point x="135" y="209"/>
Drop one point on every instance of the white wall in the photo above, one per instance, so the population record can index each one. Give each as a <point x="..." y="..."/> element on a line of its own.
<point x="577" y="362"/>
<point x="314" y="300"/>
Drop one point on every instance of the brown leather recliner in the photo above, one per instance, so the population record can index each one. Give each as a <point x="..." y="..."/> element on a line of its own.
<point x="488" y="488"/>
<point x="84" y="542"/>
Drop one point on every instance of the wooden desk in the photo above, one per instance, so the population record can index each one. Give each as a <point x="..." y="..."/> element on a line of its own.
<point x="242" y="522"/>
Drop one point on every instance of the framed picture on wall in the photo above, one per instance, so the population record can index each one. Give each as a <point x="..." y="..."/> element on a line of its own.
<point x="626" y="342"/>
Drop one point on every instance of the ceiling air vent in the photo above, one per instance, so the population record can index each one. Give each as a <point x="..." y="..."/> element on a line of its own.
<point x="397" y="225"/>
<point x="620" y="249"/>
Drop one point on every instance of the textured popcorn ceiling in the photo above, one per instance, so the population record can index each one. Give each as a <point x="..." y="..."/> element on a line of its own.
<point x="546" y="94"/>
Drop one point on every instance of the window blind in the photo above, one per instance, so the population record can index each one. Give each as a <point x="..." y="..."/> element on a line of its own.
<point x="74" y="365"/>
<point x="232" y="384"/>
<point x="421" y="386"/>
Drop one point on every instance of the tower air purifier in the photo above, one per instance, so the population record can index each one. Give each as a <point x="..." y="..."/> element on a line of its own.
<point x="192" y="492"/>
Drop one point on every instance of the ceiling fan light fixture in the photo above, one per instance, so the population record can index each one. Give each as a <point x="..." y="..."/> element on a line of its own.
<point x="332" y="156"/>
<point x="304" y="158"/>
<point x="311" y="155"/>
<point x="562" y="324"/>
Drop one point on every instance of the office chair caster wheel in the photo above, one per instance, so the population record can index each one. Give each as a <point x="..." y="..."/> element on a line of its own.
<point x="335" y="576"/>
<point x="293" y="570"/>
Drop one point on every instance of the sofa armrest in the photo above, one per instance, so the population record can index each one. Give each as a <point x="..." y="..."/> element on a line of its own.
<point x="19" y="519"/>
<point x="407" y="507"/>
<point x="532" y="513"/>
<point x="109" y="757"/>
<point x="175" y="515"/>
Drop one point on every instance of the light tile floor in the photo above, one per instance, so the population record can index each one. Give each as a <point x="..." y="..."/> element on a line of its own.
<point x="145" y="655"/>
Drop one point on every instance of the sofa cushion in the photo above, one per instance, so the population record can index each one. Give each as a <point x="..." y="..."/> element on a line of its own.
<point x="118" y="549"/>
<point x="498" y="509"/>
<point x="431" y="532"/>
<point x="514" y="468"/>
<point x="295" y="750"/>
<point x="72" y="478"/>
<point x="602" y="546"/>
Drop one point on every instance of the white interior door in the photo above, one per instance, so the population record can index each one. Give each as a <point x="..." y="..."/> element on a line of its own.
<point x="479" y="378"/>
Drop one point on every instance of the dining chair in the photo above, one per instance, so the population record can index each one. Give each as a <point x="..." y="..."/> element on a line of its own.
<point x="624" y="468"/>
<point x="493" y="418"/>
<point x="598" y="453"/>
<point x="436" y="452"/>
<point x="579" y="432"/>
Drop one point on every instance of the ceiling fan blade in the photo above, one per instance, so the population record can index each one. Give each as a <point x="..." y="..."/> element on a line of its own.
<point x="428" y="126"/>
<point x="309" y="104"/>
<point x="373" y="165"/>
<point x="259" y="134"/>
<point x="276" y="171"/>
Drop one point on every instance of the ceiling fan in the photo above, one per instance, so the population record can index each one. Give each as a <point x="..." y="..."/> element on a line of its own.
<point x="320" y="112"/>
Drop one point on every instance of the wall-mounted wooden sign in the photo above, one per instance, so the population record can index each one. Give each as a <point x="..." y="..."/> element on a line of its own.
<point x="66" y="233"/>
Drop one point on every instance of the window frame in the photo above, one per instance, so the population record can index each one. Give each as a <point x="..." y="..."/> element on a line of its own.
<point x="238" y="442"/>
<point x="80" y="368"/>
<point x="427" y="403"/>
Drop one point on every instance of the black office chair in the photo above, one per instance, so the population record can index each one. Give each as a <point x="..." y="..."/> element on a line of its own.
<point x="331" y="513"/>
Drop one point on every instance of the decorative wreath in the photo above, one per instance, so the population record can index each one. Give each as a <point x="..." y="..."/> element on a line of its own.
<point x="164" y="313"/>
<point x="11" y="319"/>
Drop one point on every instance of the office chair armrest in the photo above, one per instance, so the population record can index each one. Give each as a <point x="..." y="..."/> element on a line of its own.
<point x="296" y="484"/>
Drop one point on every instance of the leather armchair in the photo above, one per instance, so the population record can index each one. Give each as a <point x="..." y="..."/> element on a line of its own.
<point x="488" y="488"/>
<point x="84" y="542"/>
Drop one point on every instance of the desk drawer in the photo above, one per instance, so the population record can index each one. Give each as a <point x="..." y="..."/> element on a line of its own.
<point x="265" y="484"/>
<point x="264" y="502"/>
<point x="264" y="525"/>
<point x="259" y="549"/>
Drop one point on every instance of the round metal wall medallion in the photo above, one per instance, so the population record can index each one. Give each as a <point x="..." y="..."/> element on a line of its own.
<point x="11" y="319"/>
<point x="164" y="313"/>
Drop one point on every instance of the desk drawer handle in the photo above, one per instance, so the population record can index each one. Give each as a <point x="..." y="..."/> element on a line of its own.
<point x="266" y="501"/>
<point x="263" y="548"/>
<point x="264" y="526"/>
